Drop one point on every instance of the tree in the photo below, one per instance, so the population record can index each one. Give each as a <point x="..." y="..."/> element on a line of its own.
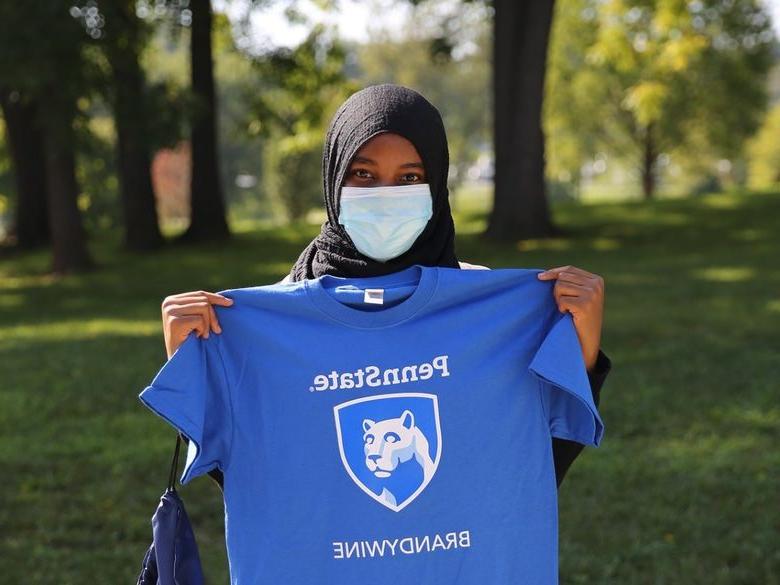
<point x="207" y="219"/>
<point x="41" y="56"/>
<point x="642" y="78"/>
<point x="207" y="203"/>
<point x="31" y="218"/>
<point x="122" y="36"/>
<point x="442" y="50"/>
<point x="574" y="96"/>
<point x="764" y="152"/>
<point x="520" y="39"/>
<point x="300" y="88"/>
<point x="519" y="60"/>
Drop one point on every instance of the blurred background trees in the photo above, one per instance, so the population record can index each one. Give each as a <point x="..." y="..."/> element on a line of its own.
<point x="167" y="120"/>
<point x="46" y="73"/>
<point x="300" y="86"/>
<point x="763" y="153"/>
<point x="654" y="82"/>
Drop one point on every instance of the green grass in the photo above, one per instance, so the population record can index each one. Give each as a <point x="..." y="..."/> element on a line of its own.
<point x="684" y="488"/>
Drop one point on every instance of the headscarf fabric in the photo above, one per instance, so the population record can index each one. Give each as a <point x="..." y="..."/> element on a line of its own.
<point x="366" y="113"/>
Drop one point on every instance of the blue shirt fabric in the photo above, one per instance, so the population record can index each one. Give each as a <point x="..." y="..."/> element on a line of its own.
<point x="401" y="441"/>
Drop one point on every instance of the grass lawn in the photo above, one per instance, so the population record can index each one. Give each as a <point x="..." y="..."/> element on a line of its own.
<point x="683" y="490"/>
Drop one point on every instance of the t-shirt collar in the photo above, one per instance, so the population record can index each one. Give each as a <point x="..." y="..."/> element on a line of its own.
<point x="320" y="291"/>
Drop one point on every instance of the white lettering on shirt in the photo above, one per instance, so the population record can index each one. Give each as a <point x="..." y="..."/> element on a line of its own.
<point x="373" y="376"/>
<point x="407" y="545"/>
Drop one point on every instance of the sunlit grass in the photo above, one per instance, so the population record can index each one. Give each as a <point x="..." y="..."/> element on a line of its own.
<point x="683" y="489"/>
<point x="725" y="273"/>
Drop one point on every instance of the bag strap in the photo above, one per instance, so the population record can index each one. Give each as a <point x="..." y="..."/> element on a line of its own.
<point x="174" y="464"/>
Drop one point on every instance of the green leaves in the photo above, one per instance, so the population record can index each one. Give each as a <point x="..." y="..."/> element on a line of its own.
<point x="640" y="78"/>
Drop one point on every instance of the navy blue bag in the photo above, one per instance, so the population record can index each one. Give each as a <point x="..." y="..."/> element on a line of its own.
<point x="172" y="558"/>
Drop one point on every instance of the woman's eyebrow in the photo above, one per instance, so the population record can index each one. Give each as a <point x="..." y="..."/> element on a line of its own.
<point x="369" y="161"/>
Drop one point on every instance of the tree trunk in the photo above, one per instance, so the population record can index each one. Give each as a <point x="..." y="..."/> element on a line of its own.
<point x="649" y="156"/>
<point x="520" y="39"/>
<point x="30" y="228"/>
<point x="207" y="216"/>
<point x="68" y="236"/>
<point x="133" y="156"/>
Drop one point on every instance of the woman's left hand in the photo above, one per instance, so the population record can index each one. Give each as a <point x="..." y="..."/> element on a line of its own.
<point x="582" y="294"/>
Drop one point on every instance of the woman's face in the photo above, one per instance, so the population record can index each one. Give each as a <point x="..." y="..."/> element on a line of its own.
<point x="387" y="159"/>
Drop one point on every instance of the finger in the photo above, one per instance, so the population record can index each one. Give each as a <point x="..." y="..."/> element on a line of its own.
<point x="197" y="308"/>
<point x="573" y="277"/>
<point x="182" y="301"/>
<point x="218" y="299"/>
<point x="551" y="272"/>
<point x="568" y="270"/>
<point x="580" y="271"/>
<point x="569" y="303"/>
<point x="564" y="287"/>
<point x="204" y="327"/>
<point x="181" y="325"/>
<point x="214" y="322"/>
<point x="557" y="294"/>
<point x="181" y="297"/>
<point x="197" y="295"/>
<point x="592" y="281"/>
<point x="567" y="289"/>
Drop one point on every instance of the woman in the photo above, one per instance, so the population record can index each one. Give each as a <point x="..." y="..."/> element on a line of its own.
<point x="389" y="141"/>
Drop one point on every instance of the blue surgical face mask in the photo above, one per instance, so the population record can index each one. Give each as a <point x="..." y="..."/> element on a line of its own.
<point x="384" y="222"/>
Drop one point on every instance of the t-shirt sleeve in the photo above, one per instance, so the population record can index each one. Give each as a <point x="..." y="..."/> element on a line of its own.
<point x="191" y="393"/>
<point x="567" y="399"/>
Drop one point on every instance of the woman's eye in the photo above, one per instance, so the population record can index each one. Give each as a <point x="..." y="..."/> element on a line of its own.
<point x="414" y="177"/>
<point x="357" y="172"/>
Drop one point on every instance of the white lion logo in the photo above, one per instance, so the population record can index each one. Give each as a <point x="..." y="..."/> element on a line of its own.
<point x="390" y="442"/>
<point x="391" y="458"/>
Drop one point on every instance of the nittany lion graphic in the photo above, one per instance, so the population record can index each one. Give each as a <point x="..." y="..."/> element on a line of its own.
<point x="390" y="444"/>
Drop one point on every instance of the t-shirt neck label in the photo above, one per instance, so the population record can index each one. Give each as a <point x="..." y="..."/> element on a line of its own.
<point x="374" y="296"/>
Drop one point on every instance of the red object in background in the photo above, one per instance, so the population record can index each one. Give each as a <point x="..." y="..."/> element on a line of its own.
<point x="171" y="181"/>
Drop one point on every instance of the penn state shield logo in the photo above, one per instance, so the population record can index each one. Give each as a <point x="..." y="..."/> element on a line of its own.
<point x="390" y="444"/>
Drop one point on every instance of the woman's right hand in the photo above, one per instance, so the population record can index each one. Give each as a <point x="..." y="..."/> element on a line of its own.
<point x="183" y="312"/>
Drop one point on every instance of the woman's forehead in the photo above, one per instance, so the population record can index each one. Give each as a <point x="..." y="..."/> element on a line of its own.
<point x="387" y="147"/>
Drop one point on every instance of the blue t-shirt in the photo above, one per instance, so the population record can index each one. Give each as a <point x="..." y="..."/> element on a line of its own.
<point x="385" y="430"/>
